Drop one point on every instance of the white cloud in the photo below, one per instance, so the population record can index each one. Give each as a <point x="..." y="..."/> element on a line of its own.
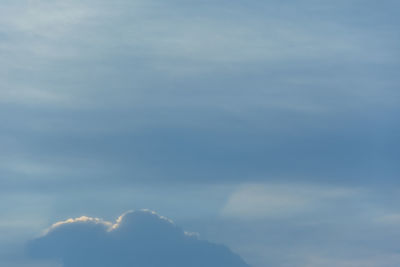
<point x="255" y="201"/>
<point x="385" y="260"/>
<point x="392" y="219"/>
<point x="82" y="219"/>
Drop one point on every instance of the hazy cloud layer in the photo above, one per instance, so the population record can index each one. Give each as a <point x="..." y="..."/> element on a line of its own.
<point x="161" y="91"/>
<point x="179" y="106"/>
<point x="140" y="238"/>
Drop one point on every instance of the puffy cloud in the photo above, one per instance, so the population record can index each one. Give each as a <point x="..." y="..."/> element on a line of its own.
<point x="139" y="238"/>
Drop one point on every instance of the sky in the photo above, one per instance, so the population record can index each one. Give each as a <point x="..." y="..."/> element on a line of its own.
<point x="266" y="132"/>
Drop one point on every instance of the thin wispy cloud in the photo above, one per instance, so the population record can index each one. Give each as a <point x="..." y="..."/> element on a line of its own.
<point x="260" y="201"/>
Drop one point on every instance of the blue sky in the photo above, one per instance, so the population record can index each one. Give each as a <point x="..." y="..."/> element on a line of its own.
<point x="268" y="126"/>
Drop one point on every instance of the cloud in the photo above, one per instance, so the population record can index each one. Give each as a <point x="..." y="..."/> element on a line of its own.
<point x="245" y="90"/>
<point x="389" y="219"/>
<point x="258" y="201"/>
<point x="139" y="238"/>
<point x="387" y="260"/>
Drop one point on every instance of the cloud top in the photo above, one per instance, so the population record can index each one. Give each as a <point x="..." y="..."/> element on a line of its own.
<point x="137" y="238"/>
